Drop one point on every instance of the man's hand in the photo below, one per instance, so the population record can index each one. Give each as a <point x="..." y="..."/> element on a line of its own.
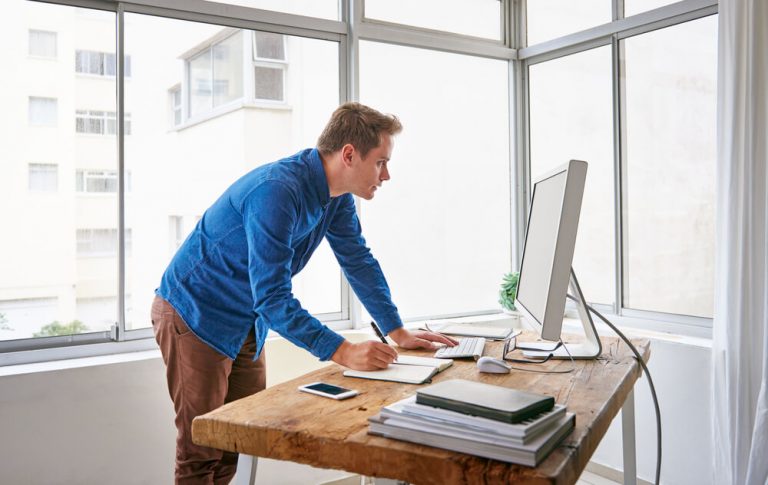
<point x="368" y="355"/>
<point x="420" y="339"/>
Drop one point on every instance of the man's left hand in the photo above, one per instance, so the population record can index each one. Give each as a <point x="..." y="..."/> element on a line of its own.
<point x="420" y="339"/>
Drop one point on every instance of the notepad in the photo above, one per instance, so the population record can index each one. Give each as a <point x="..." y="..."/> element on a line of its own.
<point x="441" y="364"/>
<point x="410" y="374"/>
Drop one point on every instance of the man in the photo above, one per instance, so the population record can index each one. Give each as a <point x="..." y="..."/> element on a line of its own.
<point x="230" y="282"/>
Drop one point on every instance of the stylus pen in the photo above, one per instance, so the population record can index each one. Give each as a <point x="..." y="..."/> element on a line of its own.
<point x="378" y="332"/>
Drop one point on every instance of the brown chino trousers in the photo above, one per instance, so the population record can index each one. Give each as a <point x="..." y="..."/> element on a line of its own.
<point x="201" y="379"/>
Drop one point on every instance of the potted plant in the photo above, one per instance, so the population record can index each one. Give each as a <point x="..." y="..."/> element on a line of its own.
<point x="508" y="291"/>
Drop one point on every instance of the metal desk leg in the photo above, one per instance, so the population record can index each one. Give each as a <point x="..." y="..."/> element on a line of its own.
<point x="246" y="470"/>
<point x="628" y="439"/>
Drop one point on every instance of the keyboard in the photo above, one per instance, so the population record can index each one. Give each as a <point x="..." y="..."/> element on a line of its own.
<point x="468" y="347"/>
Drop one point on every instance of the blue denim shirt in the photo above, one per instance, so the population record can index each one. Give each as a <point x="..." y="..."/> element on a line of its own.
<point x="234" y="270"/>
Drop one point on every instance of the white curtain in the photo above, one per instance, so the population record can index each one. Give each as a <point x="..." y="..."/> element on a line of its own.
<point x="740" y="334"/>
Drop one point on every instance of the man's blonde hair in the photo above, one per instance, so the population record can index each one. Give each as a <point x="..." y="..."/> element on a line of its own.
<point x="359" y="125"/>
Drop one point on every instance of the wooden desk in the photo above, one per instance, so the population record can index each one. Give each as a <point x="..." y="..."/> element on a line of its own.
<point x="285" y="424"/>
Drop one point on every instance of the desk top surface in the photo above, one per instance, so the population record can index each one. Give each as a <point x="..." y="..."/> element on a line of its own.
<point x="285" y="424"/>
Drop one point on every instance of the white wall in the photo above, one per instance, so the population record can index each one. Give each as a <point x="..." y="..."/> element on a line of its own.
<point x="681" y="374"/>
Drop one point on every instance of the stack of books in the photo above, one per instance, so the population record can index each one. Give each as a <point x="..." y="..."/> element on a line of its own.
<point x="479" y="419"/>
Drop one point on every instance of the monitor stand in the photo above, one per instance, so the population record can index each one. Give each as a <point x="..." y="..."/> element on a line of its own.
<point x="591" y="348"/>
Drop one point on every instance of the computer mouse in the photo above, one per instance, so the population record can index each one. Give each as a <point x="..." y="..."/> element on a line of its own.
<point x="494" y="366"/>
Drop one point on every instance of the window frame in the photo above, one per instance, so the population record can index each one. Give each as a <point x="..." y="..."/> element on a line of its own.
<point x="347" y="32"/>
<point x="55" y="35"/>
<point x="32" y="165"/>
<point x="610" y="34"/>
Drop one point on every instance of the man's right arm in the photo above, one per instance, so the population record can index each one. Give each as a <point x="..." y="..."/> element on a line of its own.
<point x="270" y="216"/>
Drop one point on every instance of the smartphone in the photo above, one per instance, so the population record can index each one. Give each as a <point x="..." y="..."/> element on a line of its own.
<point x="328" y="390"/>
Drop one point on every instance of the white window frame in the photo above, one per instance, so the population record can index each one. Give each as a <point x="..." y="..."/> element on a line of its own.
<point x="107" y="121"/>
<point x="83" y="176"/>
<point x="55" y="36"/>
<point x="52" y="122"/>
<point x="46" y="170"/>
<point x="102" y="63"/>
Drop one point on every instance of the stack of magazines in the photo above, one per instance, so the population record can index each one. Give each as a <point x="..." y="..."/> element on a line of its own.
<point x="478" y="419"/>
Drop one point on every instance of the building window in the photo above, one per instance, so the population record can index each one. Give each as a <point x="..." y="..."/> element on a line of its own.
<point x="42" y="44"/>
<point x="99" y="181"/>
<point x="100" y="242"/>
<point x="216" y="75"/>
<point x="99" y="122"/>
<point x="174" y="98"/>
<point x="269" y="66"/>
<point x="99" y="63"/>
<point x="43" y="111"/>
<point x="43" y="177"/>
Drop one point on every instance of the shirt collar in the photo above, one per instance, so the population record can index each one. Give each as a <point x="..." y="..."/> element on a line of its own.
<point x="319" y="181"/>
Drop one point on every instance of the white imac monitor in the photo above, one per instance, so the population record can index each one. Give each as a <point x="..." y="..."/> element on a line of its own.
<point x="545" y="271"/>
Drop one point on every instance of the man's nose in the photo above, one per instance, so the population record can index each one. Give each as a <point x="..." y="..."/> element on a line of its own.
<point x="384" y="173"/>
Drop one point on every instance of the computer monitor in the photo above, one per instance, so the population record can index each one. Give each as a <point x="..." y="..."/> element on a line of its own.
<point x="545" y="270"/>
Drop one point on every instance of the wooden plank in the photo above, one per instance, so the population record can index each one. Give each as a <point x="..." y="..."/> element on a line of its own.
<point x="285" y="424"/>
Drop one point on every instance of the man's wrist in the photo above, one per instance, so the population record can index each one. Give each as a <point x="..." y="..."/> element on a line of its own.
<point x="340" y="353"/>
<point x="398" y="334"/>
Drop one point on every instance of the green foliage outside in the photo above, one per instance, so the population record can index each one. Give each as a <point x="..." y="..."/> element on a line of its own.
<point x="509" y="290"/>
<point x="55" y="328"/>
<point x="4" y="323"/>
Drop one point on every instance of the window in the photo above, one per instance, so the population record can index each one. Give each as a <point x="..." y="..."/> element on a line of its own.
<point x="43" y="111"/>
<point x="571" y="117"/>
<point x="100" y="242"/>
<point x="478" y="18"/>
<point x="216" y="74"/>
<point x="42" y="43"/>
<point x="42" y="279"/>
<point x="208" y="155"/>
<point x="269" y="66"/>
<point x="43" y="177"/>
<point x="453" y="239"/>
<point x="671" y="103"/>
<point x="549" y="19"/>
<point x="99" y="63"/>
<point x="174" y="98"/>
<point x="99" y="181"/>
<point x="99" y="122"/>
<point x="175" y="232"/>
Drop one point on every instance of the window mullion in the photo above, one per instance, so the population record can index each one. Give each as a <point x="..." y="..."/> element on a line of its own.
<point x="118" y="331"/>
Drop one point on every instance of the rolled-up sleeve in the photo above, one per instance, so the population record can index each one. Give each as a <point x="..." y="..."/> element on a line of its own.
<point x="271" y="213"/>
<point x="360" y="267"/>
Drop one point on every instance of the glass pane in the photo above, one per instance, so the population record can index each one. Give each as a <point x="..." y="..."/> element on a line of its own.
<point x="269" y="45"/>
<point x="42" y="43"/>
<point x="441" y="227"/>
<point x="572" y="118"/>
<point x="43" y="177"/>
<point x="325" y="9"/>
<point x="549" y="19"/>
<point x="44" y="280"/>
<point x="269" y="83"/>
<point x="632" y="7"/>
<point x="43" y="111"/>
<point x="671" y="104"/>
<point x="206" y="157"/>
<point x="200" y="76"/>
<point x="228" y="70"/>
<point x="478" y="18"/>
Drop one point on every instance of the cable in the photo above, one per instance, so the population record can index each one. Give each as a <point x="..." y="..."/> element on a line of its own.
<point x="650" y="383"/>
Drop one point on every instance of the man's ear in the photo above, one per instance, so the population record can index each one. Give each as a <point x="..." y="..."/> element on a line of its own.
<point x="347" y="151"/>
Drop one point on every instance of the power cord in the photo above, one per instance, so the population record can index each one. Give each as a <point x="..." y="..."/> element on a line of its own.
<point x="650" y="384"/>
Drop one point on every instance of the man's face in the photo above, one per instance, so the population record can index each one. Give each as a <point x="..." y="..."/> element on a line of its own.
<point x="370" y="172"/>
